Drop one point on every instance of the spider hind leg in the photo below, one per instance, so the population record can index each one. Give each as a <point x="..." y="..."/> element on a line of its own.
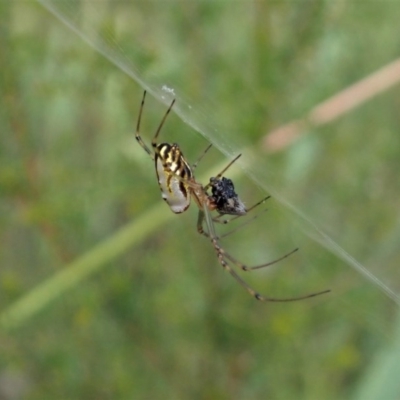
<point x="225" y="259"/>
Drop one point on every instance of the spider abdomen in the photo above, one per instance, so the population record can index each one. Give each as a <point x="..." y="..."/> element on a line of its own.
<point x="172" y="172"/>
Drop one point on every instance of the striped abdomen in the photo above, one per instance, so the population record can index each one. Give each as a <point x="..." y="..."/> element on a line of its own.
<point x="172" y="172"/>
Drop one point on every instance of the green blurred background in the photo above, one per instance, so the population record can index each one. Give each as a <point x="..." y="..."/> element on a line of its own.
<point x="106" y="294"/>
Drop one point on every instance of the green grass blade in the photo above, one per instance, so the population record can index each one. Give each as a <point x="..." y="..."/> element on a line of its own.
<point x="74" y="273"/>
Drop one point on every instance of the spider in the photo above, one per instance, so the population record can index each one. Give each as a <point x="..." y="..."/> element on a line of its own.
<point x="178" y="185"/>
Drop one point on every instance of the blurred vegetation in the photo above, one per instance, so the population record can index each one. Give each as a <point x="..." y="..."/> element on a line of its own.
<point x="157" y="316"/>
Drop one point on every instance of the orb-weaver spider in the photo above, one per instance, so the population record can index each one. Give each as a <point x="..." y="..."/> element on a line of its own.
<point x="178" y="185"/>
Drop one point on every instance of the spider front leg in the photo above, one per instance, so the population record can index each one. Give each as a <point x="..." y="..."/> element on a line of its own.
<point x="137" y="134"/>
<point x="154" y="140"/>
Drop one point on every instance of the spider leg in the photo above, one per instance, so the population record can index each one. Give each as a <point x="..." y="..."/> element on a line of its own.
<point x="220" y="252"/>
<point x="239" y="226"/>
<point x="240" y="265"/>
<point x="223" y="258"/>
<point x="200" y="228"/>
<point x="194" y="166"/>
<point x="154" y="141"/>
<point x="137" y="135"/>
<point x="232" y="259"/>
<point x="246" y="268"/>
<point x="226" y="221"/>
<point x="223" y="171"/>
